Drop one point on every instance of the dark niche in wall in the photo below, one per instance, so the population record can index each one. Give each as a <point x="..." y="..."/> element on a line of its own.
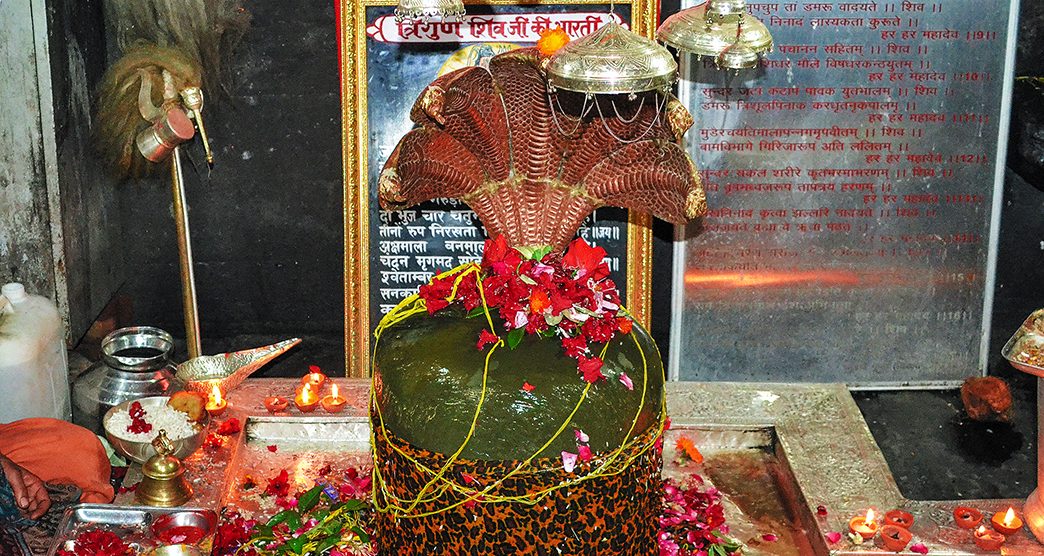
<point x="267" y="221"/>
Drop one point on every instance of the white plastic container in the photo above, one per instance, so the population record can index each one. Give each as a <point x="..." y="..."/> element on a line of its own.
<point x="34" y="369"/>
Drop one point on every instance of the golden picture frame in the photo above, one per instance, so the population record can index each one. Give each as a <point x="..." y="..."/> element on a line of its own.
<point x="358" y="191"/>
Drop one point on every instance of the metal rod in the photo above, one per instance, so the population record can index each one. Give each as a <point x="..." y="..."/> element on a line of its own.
<point x="188" y="278"/>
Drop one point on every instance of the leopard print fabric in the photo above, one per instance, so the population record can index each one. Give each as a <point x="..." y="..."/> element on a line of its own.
<point x="607" y="515"/>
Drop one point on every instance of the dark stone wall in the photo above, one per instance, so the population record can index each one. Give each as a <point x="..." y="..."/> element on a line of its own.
<point x="267" y="221"/>
<point x="93" y="257"/>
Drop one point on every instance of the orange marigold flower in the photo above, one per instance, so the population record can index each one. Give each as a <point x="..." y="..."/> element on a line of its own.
<point x="686" y="446"/>
<point x="539" y="301"/>
<point x="551" y="40"/>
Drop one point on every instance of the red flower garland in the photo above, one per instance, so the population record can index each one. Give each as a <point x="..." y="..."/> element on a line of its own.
<point x="536" y="292"/>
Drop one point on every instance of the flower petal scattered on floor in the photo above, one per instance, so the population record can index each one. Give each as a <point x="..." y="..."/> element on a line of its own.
<point x="279" y="485"/>
<point x="687" y="447"/>
<point x="272" y="448"/>
<point x="526" y="386"/>
<point x="626" y="381"/>
<point x="919" y="548"/>
<point x="229" y="427"/>
<point x="833" y="537"/>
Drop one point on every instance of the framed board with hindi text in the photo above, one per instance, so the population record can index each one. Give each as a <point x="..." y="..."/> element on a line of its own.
<point x="385" y="65"/>
<point x="854" y="182"/>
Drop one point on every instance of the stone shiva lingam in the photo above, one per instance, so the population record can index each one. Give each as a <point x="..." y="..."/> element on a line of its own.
<point x="516" y="406"/>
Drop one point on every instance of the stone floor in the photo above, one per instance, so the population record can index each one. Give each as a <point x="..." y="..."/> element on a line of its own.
<point x="936" y="453"/>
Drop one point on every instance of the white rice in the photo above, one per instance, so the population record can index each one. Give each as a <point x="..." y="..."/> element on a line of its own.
<point x="163" y="417"/>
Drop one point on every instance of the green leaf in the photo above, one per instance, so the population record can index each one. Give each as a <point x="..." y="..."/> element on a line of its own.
<point x="515" y="337"/>
<point x="362" y="534"/>
<point x="586" y="311"/>
<point x="280" y="517"/>
<point x="534" y="252"/>
<point x="297" y="545"/>
<point x="293" y="521"/>
<point x="261" y="531"/>
<point x="477" y="311"/>
<point x="527" y="279"/>
<point x="327" y="543"/>
<point x="308" y="500"/>
<point x="553" y="320"/>
<point x="353" y="505"/>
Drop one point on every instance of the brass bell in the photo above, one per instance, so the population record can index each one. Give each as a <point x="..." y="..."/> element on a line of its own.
<point x="164" y="484"/>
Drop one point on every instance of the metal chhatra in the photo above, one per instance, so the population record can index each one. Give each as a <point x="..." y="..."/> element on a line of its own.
<point x="429" y="10"/>
<point x="612" y="60"/>
<point x="721" y="29"/>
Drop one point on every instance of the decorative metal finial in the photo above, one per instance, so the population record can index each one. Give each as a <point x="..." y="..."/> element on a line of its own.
<point x="612" y="60"/>
<point x="721" y="29"/>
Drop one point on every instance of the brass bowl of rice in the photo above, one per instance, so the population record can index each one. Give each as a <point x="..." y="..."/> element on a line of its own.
<point x="185" y="435"/>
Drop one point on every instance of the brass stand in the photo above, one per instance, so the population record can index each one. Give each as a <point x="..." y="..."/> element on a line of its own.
<point x="188" y="278"/>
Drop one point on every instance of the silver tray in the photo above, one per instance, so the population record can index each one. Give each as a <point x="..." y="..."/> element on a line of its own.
<point x="1031" y="333"/>
<point x="131" y="523"/>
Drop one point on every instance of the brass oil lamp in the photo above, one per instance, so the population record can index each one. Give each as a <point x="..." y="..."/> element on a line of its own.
<point x="164" y="484"/>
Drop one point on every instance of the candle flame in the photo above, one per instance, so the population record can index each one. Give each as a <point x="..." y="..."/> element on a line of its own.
<point x="981" y="530"/>
<point x="306" y="394"/>
<point x="334" y="392"/>
<point x="1009" y="517"/>
<point x="215" y="395"/>
<point x="869" y="517"/>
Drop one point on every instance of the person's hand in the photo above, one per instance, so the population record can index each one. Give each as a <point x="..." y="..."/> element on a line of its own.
<point x="29" y="491"/>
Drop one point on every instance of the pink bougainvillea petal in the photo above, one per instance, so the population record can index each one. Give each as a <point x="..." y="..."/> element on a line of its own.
<point x="626" y="381"/>
<point x="272" y="448"/>
<point x="919" y="548"/>
<point x="568" y="461"/>
<point x="833" y="537"/>
<point x="769" y="537"/>
<point x="581" y="436"/>
<point x="584" y="453"/>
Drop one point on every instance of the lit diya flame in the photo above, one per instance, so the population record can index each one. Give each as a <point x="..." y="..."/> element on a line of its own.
<point x="334" y="403"/>
<point x="864" y="526"/>
<point x="1009" y="524"/>
<point x="216" y="403"/>
<point x="306" y="399"/>
<point x="315" y="378"/>
<point x="988" y="540"/>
